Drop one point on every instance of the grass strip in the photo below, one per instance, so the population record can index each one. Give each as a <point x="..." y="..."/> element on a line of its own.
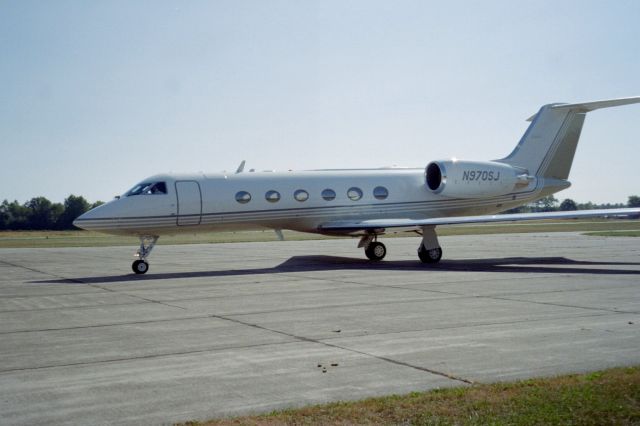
<point x="624" y="233"/>
<point x="610" y="397"/>
<point x="49" y="239"/>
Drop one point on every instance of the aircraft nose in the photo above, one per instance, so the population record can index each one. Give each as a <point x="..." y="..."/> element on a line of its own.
<point x="78" y="221"/>
<point x="84" y="220"/>
<point x="96" y="219"/>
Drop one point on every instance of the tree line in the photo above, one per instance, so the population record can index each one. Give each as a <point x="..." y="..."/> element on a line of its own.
<point x="41" y="214"/>
<point x="552" y="204"/>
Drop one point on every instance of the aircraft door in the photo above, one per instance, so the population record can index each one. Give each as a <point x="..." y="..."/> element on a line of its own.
<point x="189" y="203"/>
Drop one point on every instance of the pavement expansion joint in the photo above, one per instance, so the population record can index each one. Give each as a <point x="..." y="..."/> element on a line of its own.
<point x="152" y="301"/>
<point x="423" y="290"/>
<point x="477" y="325"/>
<point x="115" y="324"/>
<point x="77" y="281"/>
<point x="137" y="358"/>
<point x="99" y="305"/>
<point x="343" y="305"/>
<point x="559" y="305"/>
<point x="70" y="280"/>
<point x="563" y="290"/>
<point x="332" y="345"/>
<point x="395" y="287"/>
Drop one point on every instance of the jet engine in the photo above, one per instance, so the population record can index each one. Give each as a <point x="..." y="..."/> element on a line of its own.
<point x="472" y="179"/>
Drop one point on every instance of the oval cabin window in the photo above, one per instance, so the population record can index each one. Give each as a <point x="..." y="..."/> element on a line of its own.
<point x="301" y="195"/>
<point x="329" y="194"/>
<point x="272" y="196"/>
<point x="354" y="194"/>
<point x="380" y="192"/>
<point x="243" y="197"/>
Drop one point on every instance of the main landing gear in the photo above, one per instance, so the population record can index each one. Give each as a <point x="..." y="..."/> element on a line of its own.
<point x="429" y="256"/>
<point x="147" y="242"/>
<point x="373" y="249"/>
<point x="429" y="250"/>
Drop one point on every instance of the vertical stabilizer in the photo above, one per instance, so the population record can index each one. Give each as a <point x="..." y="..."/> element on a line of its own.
<point x="549" y="144"/>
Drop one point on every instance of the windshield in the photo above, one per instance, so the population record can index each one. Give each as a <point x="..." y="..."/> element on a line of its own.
<point x="148" y="188"/>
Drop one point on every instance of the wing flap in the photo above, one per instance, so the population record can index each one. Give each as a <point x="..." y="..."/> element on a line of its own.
<point x="379" y="225"/>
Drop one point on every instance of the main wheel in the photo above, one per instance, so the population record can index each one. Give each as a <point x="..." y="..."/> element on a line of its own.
<point x="140" y="267"/>
<point x="429" y="256"/>
<point x="376" y="251"/>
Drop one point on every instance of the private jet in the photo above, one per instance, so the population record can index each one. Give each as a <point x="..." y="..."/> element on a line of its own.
<point x="363" y="203"/>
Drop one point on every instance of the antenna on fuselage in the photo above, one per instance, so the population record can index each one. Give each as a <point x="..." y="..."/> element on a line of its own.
<point x="241" y="167"/>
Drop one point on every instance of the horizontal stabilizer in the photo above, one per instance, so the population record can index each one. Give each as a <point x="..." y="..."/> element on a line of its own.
<point x="592" y="106"/>
<point x="380" y="225"/>
<point x="548" y="146"/>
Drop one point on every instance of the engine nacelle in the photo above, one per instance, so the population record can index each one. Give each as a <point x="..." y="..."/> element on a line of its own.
<point x="472" y="179"/>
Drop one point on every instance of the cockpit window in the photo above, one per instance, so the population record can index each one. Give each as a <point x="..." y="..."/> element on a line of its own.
<point x="148" y="188"/>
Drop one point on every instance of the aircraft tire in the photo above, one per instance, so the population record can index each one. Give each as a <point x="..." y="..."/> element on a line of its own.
<point x="429" y="256"/>
<point x="376" y="251"/>
<point x="140" y="267"/>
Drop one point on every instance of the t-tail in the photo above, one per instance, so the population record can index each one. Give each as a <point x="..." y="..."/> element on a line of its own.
<point x="547" y="148"/>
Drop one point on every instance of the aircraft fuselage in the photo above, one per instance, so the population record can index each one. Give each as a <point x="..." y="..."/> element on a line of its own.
<point x="296" y="200"/>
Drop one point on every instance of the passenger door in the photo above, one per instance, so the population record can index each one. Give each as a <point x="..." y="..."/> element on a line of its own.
<point x="189" y="203"/>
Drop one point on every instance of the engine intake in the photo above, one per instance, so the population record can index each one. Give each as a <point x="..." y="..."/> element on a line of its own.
<point x="436" y="177"/>
<point x="472" y="179"/>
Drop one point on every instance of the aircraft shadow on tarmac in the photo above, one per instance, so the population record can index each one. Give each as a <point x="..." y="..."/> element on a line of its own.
<point x="537" y="265"/>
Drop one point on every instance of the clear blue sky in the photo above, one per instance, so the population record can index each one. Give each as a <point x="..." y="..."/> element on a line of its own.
<point x="97" y="95"/>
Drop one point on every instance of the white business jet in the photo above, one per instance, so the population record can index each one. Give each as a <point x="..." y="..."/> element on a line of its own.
<point x="363" y="203"/>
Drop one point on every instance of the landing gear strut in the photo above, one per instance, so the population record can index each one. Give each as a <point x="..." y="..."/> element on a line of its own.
<point x="147" y="242"/>
<point x="374" y="250"/>
<point x="429" y="250"/>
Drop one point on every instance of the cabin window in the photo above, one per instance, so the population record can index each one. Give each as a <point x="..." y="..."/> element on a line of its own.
<point x="380" y="192"/>
<point x="272" y="196"/>
<point x="148" y="188"/>
<point x="329" y="194"/>
<point x="354" y="194"/>
<point x="243" y="197"/>
<point x="301" y="195"/>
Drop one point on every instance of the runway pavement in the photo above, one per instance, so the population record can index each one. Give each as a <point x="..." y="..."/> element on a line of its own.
<point x="227" y="329"/>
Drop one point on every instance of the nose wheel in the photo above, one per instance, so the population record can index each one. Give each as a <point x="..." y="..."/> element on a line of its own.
<point x="140" y="266"/>
<point x="147" y="243"/>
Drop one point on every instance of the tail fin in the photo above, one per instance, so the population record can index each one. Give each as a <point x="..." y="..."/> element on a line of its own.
<point x="549" y="144"/>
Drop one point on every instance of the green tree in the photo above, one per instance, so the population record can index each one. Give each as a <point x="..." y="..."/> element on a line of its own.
<point x="74" y="206"/>
<point x="634" y="201"/>
<point x="545" y="204"/>
<point x="568" y="205"/>
<point x="519" y="209"/>
<point x="16" y="215"/>
<point x="43" y="214"/>
<point x="5" y="216"/>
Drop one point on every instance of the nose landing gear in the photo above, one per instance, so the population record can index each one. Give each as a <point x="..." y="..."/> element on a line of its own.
<point x="140" y="266"/>
<point x="147" y="242"/>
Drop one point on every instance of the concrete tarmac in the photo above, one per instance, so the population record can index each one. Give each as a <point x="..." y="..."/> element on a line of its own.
<point x="229" y="329"/>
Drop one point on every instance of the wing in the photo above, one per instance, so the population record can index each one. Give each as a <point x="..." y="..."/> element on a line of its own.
<point x="400" y="225"/>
